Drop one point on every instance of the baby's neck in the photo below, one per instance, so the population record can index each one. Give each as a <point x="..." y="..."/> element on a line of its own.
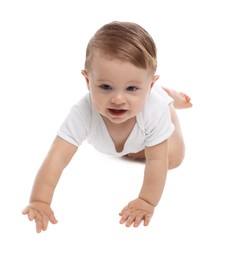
<point x="119" y="133"/>
<point x="127" y="124"/>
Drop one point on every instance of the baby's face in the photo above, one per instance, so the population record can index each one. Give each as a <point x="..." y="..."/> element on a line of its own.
<point x="118" y="89"/>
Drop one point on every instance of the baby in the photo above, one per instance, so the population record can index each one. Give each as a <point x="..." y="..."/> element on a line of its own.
<point x="124" y="114"/>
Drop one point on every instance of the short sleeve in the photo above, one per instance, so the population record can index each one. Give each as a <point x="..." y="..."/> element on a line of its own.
<point x="160" y="129"/>
<point x="156" y="119"/>
<point x="75" y="127"/>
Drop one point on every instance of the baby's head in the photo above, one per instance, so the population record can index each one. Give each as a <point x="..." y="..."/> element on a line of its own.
<point x="125" y="41"/>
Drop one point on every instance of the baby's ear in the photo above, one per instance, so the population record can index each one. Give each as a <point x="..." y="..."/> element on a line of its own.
<point x="155" y="78"/>
<point x="84" y="73"/>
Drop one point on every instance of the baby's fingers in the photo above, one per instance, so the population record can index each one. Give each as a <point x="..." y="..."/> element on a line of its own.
<point x="28" y="211"/>
<point x="147" y="219"/>
<point x="124" y="216"/>
<point x="138" y="220"/>
<point x="37" y="217"/>
<point x="52" y="219"/>
<point x="135" y="218"/>
<point x="42" y="221"/>
<point x="45" y="221"/>
<point x="123" y="211"/>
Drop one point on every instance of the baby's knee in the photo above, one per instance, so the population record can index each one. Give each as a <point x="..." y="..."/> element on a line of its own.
<point x="175" y="162"/>
<point x="176" y="156"/>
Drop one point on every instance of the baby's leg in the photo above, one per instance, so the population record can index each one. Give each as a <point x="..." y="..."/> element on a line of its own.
<point x="176" y="144"/>
<point x="176" y="141"/>
<point x="180" y="99"/>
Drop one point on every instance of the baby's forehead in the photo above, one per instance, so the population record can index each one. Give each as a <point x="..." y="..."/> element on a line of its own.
<point x="113" y="69"/>
<point x="100" y="56"/>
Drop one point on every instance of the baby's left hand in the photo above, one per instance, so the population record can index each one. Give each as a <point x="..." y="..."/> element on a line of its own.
<point x="135" y="212"/>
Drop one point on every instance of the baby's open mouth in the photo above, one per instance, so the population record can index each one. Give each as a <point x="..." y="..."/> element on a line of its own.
<point x="116" y="112"/>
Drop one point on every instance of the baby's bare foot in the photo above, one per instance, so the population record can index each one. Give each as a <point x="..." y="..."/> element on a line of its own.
<point x="181" y="100"/>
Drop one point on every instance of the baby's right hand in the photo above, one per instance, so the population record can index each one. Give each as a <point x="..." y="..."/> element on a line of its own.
<point x="41" y="213"/>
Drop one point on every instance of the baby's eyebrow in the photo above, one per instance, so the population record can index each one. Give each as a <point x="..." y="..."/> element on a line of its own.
<point x="103" y="80"/>
<point x="133" y="82"/>
<point x="109" y="82"/>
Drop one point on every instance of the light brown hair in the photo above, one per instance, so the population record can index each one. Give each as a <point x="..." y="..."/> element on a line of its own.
<point x="126" y="41"/>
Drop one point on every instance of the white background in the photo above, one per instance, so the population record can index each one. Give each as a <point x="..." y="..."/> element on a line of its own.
<point x="42" y="49"/>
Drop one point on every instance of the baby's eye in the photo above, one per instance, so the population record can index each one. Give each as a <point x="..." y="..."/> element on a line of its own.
<point x="131" y="88"/>
<point x="106" y="87"/>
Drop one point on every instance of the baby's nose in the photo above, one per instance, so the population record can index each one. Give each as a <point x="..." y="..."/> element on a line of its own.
<point x="118" y="99"/>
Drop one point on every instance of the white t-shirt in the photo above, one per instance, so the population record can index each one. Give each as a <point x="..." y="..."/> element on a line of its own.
<point x="153" y="125"/>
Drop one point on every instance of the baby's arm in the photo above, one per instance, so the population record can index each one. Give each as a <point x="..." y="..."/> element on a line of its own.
<point x="45" y="183"/>
<point x="142" y="208"/>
